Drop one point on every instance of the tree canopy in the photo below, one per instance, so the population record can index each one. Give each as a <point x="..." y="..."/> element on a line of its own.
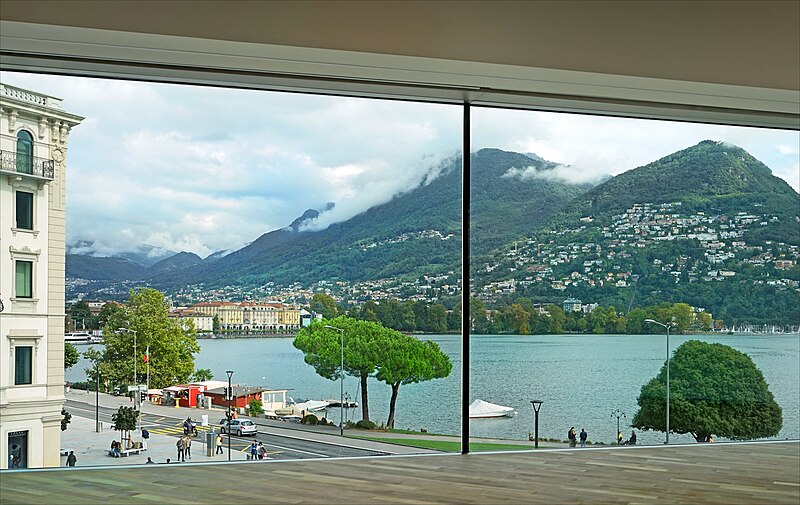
<point x="371" y="349"/>
<point x="324" y="304"/>
<point x="70" y="355"/>
<point x="172" y="346"/>
<point x="714" y="390"/>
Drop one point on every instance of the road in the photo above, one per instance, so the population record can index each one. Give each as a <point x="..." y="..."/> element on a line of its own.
<point x="278" y="446"/>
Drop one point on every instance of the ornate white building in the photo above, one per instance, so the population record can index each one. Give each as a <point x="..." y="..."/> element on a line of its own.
<point x="33" y="147"/>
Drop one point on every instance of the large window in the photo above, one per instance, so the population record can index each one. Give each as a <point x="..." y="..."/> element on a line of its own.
<point x="23" y="280"/>
<point x="24" y="210"/>
<point x="23" y="365"/>
<point x="24" y="152"/>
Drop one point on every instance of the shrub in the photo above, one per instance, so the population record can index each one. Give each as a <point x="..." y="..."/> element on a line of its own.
<point x="366" y="425"/>
<point x="310" y="419"/>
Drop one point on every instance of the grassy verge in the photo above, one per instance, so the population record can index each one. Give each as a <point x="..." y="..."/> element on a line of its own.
<point x="446" y="445"/>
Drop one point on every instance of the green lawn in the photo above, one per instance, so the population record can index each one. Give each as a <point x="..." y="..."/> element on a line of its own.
<point x="448" y="446"/>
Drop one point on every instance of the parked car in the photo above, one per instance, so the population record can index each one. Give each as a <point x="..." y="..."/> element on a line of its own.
<point x="239" y="426"/>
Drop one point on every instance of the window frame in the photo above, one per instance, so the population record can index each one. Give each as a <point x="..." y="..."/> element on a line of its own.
<point x="17" y="226"/>
<point x="27" y="165"/>
<point x="30" y="280"/>
<point x="16" y="355"/>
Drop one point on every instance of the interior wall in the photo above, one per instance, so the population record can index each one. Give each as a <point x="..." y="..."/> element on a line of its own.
<point x="745" y="43"/>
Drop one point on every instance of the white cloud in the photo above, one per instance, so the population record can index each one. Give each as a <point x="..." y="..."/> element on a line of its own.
<point x="203" y="169"/>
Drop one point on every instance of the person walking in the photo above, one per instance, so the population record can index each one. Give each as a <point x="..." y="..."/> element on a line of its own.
<point x="219" y="443"/>
<point x="583" y="437"/>
<point x="571" y="436"/>
<point x="71" y="459"/>
<point x="188" y="446"/>
<point x="253" y="450"/>
<point x="145" y="436"/>
<point x="181" y="448"/>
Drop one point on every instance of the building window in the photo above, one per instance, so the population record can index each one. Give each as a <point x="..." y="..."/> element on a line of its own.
<point x="24" y="152"/>
<point x="24" y="210"/>
<point x="18" y="449"/>
<point x="23" y="365"/>
<point x="24" y="279"/>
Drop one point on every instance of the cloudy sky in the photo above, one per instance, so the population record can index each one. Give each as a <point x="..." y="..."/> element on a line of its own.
<point x="203" y="169"/>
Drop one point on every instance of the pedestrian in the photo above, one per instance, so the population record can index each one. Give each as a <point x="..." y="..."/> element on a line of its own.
<point x="632" y="440"/>
<point x="253" y="450"/>
<point x="150" y="461"/>
<point x="188" y="446"/>
<point x="583" y="437"/>
<point x="179" y="445"/>
<point x="619" y="438"/>
<point x="71" y="459"/>
<point x="145" y="436"/>
<point x="219" y="443"/>
<point x="571" y="436"/>
<point x="169" y="461"/>
<point x="262" y="451"/>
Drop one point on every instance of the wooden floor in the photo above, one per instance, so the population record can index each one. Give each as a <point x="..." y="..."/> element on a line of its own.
<point x="730" y="474"/>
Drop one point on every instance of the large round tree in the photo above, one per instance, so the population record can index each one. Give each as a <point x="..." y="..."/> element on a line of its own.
<point x="714" y="390"/>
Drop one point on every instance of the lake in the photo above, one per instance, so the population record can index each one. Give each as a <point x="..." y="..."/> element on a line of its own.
<point x="580" y="378"/>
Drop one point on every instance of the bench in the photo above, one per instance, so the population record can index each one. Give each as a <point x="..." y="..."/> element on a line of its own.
<point x="125" y="453"/>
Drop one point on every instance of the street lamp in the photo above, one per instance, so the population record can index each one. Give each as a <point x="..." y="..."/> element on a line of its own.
<point x="618" y="414"/>
<point x="341" y="382"/>
<point x="666" y="327"/>
<point x="230" y="374"/>
<point x="96" y="396"/>
<point x="536" y="404"/>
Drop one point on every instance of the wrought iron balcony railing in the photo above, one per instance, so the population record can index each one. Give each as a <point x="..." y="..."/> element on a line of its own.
<point x="24" y="164"/>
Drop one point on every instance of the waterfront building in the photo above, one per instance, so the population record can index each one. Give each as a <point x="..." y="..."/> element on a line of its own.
<point x="572" y="305"/>
<point x="203" y="323"/>
<point x="33" y="146"/>
<point x="252" y="316"/>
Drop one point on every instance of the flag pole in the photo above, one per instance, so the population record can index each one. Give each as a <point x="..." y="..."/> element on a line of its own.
<point x="148" y="371"/>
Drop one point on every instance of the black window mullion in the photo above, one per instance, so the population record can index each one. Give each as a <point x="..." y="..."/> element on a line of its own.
<point x="465" y="284"/>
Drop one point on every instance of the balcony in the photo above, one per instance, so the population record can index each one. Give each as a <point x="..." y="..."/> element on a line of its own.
<point x="12" y="162"/>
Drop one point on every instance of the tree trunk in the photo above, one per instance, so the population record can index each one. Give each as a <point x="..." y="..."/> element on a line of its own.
<point x="364" y="397"/>
<point x="392" y="404"/>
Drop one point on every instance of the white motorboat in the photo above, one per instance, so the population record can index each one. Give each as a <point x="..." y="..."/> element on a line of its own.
<point x="310" y="406"/>
<point x="481" y="409"/>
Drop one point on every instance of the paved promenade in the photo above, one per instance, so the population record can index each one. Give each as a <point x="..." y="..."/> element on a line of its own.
<point x="699" y="474"/>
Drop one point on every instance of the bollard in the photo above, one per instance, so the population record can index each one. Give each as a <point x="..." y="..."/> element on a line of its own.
<point x="211" y="443"/>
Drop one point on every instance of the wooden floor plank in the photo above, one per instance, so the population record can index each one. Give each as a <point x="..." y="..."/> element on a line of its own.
<point x="767" y="473"/>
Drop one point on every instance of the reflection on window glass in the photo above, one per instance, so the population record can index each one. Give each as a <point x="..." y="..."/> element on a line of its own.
<point x="23" y="279"/>
<point x="18" y="449"/>
<point x="24" y="210"/>
<point x="23" y="365"/>
<point x="593" y="239"/>
<point x="301" y="255"/>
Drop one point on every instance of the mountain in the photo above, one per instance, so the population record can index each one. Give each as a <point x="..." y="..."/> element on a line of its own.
<point x="712" y="176"/>
<point x="708" y="225"/>
<point x="416" y="232"/>
<point x="104" y="269"/>
<point x="177" y="262"/>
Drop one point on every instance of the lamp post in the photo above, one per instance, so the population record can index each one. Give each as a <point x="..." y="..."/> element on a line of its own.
<point x="135" y="378"/>
<point x="96" y="397"/>
<point x="618" y="414"/>
<point x="341" y="381"/>
<point x="230" y="374"/>
<point x="536" y="404"/>
<point x="666" y="327"/>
